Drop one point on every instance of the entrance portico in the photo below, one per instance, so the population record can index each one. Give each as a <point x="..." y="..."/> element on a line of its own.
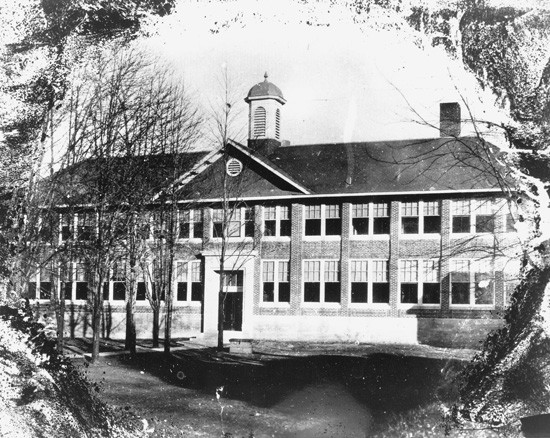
<point x="238" y="273"/>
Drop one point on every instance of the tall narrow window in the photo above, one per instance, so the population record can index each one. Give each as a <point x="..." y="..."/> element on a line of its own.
<point x="119" y="282"/>
<point x="268" y="275"/>
<point x="381" y="218"/>
<point x="259" y="122"/>
<point x="461" y="216"/>
<point x="270" y="221"/>
<point x="431" y="285"/>
<point x="409" y="218"/>
<point x="45" y="284"/>
<point x="196" y="281"/>
<point x="380" y="285"/>
<point x="312" y="281"/>
<point x="86" y="226"/>
<point x="332" y="281"/>
<point x="81" y="277"/>
<point x="359" y="281"/>
<point x="249" y="225"/>
<point x="277" y="123"/>
<point x="217" y="222"/>
<point x="333" y="223"/>
<point x="432" y="217"/>
<point x="66" y="226"/>
<point x="460" y="281"/>
<point x="313" y="220"/>
<point x="283" y="283"/>
<point x="408" y="272"/>
<point x="360" y="219"/>
<point x="483" y="282"/>
<point x="485" y="219"/>
<point x="285" y="224"/>
<point x="181" y="281"/>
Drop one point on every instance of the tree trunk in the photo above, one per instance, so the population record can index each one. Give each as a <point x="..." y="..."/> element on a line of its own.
<point x="220" y="305"/>
<point x="97" y="308"/>
<point x="168" y="324"/>
<point x="58" y="303"/>
<point x="156" y="314"/>
<point x="130" y="341"/>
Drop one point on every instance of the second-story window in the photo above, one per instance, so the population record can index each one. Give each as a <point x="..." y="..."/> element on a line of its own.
<point x="190" y="224"/>
<point x="86" y="226"/>
<point x="277" y="221"/>
<point x="360" y="219"/>
<point x="66" y="226"/>
<point x="410" y="219"/>
<point x="240" y="222"/>
<point x="473" y="216"/>
<point x="381" y="218"/>
<point x="322" y="220"/>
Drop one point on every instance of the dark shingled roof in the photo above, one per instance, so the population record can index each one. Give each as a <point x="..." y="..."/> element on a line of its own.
<point x="390" y="166"/>
<point x="120" y="179"/>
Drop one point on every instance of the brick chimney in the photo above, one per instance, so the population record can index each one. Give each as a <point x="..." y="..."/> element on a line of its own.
<point x="449" y="119"/>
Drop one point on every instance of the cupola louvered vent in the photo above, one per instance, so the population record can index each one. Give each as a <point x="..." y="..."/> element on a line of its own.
<point x="277" y="124"/>
<point x="233" y="167"/>
<point x="259" y="122"/>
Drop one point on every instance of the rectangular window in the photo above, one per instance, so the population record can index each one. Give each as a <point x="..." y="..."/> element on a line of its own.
<point x="312" y="281"/>
<point x="81" y="276"/>
<point x="359" y="281"/>
<point x="277" y="221"/>
<point x="485" y="218"/>
<point x="313" y="220"/>
<point x="86" y="226"/>
<point x="234" y="223"/>
<point x="275" y="281"/>
<point x="66" y="226"/>
<point x="270" y="221"/>
<point x="473" y="216"/>
<point x="323" y="288"/>
<point x="381" y="218"/>
<point x="188" y="281"/>
<point x="408" y="272"/>
<point x="249" y="222"/>
<point x="217" y="222"/>
<point x="190" y="224"/>
<point x="380" y="284"/>
<point x="45" y="284"/>
<point x="431" y="290"/>
<point x="410" y="218"/>
<point x="483" y="282"/>
<point x="432" y="217"/>
<point x="460" y="281"/>
<point x="333" y="223"/>
<point x="332" y="281"/>
<point x="461" y="216"/>
<point x="360" y="219"/>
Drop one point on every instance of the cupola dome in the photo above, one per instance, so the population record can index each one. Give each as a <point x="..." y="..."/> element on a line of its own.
<point x="265" y="90"/>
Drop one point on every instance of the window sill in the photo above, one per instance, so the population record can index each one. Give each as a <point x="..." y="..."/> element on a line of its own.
<point x="189" y="240"/>
<point x="321" y="238"/>
<point x="472" y="306"/>
<point x="320" y="305"/>
<point x="369" y="306"/>
<point x="187" y="303"/>
<point x="404" y="306"/>
<point x="427" y="236"/>
<point x="232" y="239"/>
<point x="369" y="237"/>
<point x="277" y="238"/>
<point x="273" y="304"/>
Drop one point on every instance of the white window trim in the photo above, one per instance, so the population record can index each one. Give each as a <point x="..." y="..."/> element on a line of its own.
<point x="370" y="276"/>
<point x="240" y="238"/>
<point x="275" y="302"/>
<point x="191" y="226"/>
<point x="323" y="218"/>
<point x="321" y="302"/>
<point x="471" y="305"/>
<point x="370" y="235"/>
<point x="188" y="301"/>
<point x="277" y="224"/>
<point x="473" y="207"/>
<point x="420" y="284"/>
<point x="421" y="234"/>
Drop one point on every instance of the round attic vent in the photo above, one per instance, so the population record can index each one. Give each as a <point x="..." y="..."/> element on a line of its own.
<point x="233" y="167"/>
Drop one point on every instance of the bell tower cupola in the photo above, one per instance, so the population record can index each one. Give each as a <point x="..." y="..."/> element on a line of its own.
<point x="265" y="101"/>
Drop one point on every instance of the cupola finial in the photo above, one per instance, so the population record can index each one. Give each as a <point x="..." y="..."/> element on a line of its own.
<point x="265" y="76"/>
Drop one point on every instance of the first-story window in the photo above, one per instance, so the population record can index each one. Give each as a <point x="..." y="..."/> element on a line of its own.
<point x="275" y="281"/>
<point x="380" y="283"/>
<point x="39" y="286"/>
<point x="359" y="281"/>
<point x="472" y="282"/>
<point x="74" y="280"/>
<point x="115" y="288"/>
<point x="419" y="281"/>
<point x="189" y="281"/>
<point x="321" y="281"/>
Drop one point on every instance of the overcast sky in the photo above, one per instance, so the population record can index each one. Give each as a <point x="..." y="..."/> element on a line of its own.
<point x="343" y="80"/>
